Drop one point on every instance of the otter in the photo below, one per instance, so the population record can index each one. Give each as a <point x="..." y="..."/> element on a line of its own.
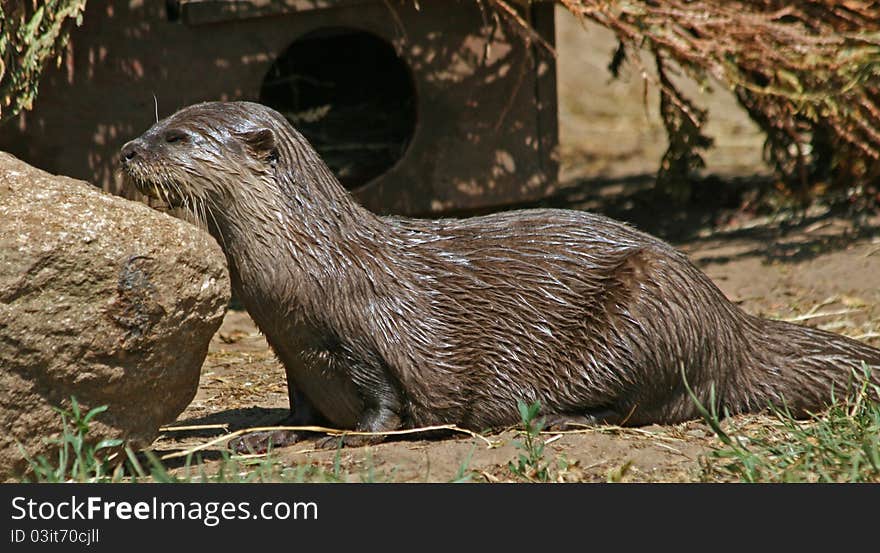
<point x="384" y="323"/>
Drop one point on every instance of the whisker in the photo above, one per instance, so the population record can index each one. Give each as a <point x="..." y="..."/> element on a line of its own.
<point x="218" y="229"/>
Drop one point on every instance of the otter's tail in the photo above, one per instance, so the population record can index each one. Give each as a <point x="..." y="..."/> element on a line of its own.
<point x="802" y="369"/>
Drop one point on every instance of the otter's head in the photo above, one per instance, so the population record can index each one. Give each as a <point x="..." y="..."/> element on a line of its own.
<point x="205" y="155"/>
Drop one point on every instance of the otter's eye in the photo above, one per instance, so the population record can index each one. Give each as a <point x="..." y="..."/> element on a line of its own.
<point x="174" y="136"/>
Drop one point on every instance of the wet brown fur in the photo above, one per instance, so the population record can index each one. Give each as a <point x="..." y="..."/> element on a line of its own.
<point x="390" y="322"/>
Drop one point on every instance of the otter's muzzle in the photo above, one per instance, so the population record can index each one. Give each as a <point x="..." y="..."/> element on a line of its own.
<point x="131" y="151"/>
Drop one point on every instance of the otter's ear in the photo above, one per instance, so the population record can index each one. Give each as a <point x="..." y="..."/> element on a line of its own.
<point x="261" y="144"/>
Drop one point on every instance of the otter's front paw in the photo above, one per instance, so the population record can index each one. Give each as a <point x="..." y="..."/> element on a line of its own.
<point x="259" y="442"/>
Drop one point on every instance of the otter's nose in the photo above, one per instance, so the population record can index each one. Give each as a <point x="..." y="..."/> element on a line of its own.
<point x="130" y="151"/>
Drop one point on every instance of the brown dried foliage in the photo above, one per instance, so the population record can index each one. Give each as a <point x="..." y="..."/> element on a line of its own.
<point x="807" y="72"/>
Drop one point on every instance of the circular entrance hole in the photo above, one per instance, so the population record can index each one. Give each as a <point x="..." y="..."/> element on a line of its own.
<point x="350" y="95"/>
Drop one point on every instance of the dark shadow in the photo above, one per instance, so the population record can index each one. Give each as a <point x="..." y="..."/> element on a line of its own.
<point x="783" y="236"/>
<point x="235" y="419"/>
<point x="252" y="417"/>
<point x="635" y="200"/>
<point x="326" y="84"/>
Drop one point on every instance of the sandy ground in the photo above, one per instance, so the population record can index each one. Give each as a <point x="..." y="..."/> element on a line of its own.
<point x="822" y="266"/>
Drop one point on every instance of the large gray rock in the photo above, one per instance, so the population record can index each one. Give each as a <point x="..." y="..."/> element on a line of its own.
<point x="100" y="298"/>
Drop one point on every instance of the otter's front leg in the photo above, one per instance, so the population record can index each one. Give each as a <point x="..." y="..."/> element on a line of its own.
<point x="381" y="412"/>
<point x="302" y="413"/>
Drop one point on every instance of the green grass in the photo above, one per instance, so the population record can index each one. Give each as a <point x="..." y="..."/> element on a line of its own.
<point x="464" y="473"/>
<point x="81" y="459"/>
<point x="841" y="444"/>
<point x="228" y="469"/>
<point x="78" y="459"/>
<point x="530" y="464"/>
